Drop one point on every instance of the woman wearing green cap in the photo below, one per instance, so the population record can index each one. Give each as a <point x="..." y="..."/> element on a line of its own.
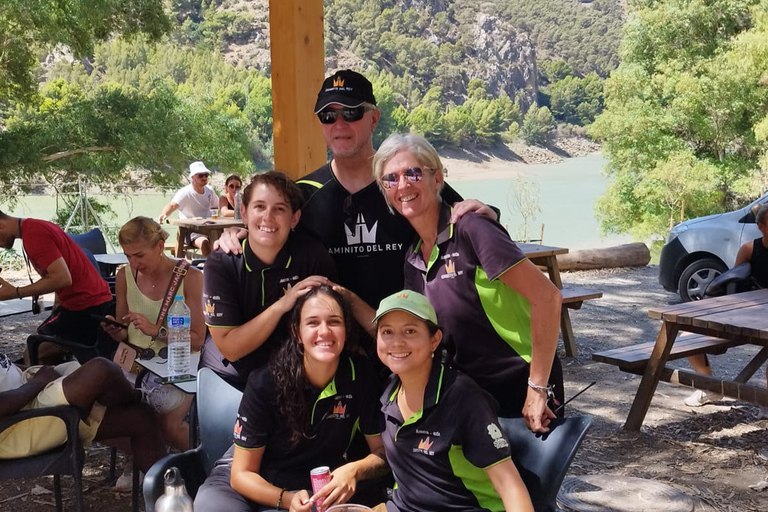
<point x="500" y="313"/>
<point x="441" y="434"/>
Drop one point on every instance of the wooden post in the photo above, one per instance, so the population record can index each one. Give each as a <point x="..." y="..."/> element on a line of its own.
<point x="296" y="33"/>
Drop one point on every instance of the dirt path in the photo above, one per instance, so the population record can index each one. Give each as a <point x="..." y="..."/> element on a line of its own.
<point x="713" y="453"/>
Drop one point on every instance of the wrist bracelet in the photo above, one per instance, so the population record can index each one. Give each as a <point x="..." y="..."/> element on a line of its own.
<point x="546" y="389"/>
<point x="280" y="499"/>
<point x="18" y="293"/>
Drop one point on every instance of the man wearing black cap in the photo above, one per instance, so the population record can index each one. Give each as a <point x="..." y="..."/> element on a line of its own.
<point x="343" y="207"/>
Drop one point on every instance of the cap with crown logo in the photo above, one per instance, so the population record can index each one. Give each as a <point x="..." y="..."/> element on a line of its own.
<point x="347" y="88"/>
<point x="410" y="302"/>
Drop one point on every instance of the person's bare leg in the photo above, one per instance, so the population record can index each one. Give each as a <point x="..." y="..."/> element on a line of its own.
<point x="203" y="244"/>
<point x="137" y="422"/>
<point x="700" y="364"/>
<point x="175" y="430"/>
<point x="98" y="380"/>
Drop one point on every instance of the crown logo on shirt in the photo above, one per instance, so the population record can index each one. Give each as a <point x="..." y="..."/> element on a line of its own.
<point x="425" y="444"/>
<point x="209" y="307"/>
<point x="338" y="82"/>
<point x="450" y="267"/>
<point x="238" y="428"/>
<point x="287" y="289"/>
<point x="339" y="409"/>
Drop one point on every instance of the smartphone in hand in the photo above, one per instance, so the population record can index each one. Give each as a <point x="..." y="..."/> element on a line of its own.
<point x="109" y="321"/>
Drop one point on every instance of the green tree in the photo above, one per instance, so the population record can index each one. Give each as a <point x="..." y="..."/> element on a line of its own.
<point x="690" y="92"/>
<point x="28" y="27"/>
<point x="537" y="125"/>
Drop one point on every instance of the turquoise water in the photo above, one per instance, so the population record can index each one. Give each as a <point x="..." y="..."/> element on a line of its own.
<point x="567" y="193"/>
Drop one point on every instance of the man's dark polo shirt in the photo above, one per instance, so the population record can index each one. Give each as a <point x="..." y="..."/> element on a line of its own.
<point x="348" y="402"/>
<point x="367" y="241"/>
<point x="486" y="325"/>
<point x="238" y="288"/>
<point x="439" y="455"/>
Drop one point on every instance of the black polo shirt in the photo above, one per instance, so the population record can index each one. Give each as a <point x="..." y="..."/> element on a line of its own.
<point x="347" y="403"/>
<point x="486" y="325"/>
<point x="365" y="239"/>
<point x="440" y="454"/>
<point x="238" y="288"/>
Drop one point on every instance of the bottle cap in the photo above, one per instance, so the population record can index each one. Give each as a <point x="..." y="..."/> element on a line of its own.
<point x="173" y="478"/>
<point x="179" y="297"/>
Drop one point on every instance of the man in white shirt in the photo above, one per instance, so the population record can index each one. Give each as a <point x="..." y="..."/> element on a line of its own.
<point x="194" y="200"/>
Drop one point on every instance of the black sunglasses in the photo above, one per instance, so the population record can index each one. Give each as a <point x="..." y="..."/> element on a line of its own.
<point x="202" y="174"/>
<point x="236" y="187"/>
<point x="349" y="114"/>
<point x="412" y="174"/>
<point x="149" y="353"/>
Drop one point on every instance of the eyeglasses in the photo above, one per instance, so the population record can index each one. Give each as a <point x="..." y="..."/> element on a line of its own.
<point x="202" y="175"/>
<point x="234" y="187"/>
<point x="149" y="353"/>
<point x="349" y="114"/>
<point x="412" y="174"/>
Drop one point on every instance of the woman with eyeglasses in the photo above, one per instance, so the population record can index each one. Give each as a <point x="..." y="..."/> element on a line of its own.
<point x="140" y="288"/>
<point x="299" y="413"/>
<point x="227" y="200"/>
<point x="500" y="314"/>
<point x="248" y="296"/>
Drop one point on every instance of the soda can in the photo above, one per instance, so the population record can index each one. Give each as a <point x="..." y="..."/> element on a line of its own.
<point x="320" y="476"/>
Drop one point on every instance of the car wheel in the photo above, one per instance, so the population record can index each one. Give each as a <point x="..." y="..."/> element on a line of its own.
<point x="697" y="276"/>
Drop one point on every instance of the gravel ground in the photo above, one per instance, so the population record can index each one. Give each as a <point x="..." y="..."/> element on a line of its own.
<point x="713" y="453"/>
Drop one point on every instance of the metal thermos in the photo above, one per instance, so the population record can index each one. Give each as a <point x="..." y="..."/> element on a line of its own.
<point x="175" y="498"/>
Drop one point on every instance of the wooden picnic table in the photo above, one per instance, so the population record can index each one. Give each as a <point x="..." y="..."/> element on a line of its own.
<point x="209" y="227"/>
<point x="546" y="256"/>
<point x="739" y="319"/>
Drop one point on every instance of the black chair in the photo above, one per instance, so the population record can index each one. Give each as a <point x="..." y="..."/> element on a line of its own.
<point x="66" y="459"/>
<point x="543" y="460"/>
<point x="217" y="404"/>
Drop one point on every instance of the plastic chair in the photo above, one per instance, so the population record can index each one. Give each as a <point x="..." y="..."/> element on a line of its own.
<point x="66" y="459"/>
<point x="543" y="460"/>
<point x="92" y="240"/>
<point x="217" y="404"/>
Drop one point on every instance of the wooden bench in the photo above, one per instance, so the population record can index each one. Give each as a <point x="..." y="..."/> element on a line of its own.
<point x="633" y="359"/>
<point x="573" y="298"/>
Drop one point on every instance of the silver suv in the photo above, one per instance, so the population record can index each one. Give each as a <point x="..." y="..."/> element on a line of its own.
<point x="699" y="250"/>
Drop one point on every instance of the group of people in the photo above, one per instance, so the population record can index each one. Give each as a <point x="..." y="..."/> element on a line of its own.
<point x="198" y="200"/>
<point x="369" y="268"/>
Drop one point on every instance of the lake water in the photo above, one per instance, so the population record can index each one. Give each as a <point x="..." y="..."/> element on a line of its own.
<point x="567" y="194"/>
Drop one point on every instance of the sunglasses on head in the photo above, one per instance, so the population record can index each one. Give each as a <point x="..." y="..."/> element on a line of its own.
<point x="149" y="353"/>
<point x="412" y="174"/>
<point x="349" y="114"/>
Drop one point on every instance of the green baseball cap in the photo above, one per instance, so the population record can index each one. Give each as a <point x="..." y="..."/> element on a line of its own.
<point x="410" y="302"/>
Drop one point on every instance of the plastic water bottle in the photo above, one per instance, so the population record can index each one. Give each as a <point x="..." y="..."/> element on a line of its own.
<point x="175" y="498"/>
<point x="238" y="202"/>
<point x="178" y="338"/>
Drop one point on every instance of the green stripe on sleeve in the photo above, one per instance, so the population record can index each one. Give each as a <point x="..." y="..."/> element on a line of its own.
<point x="508" y="312"/>
<point x="315" y="184"/>
<point x="475" y="480"/>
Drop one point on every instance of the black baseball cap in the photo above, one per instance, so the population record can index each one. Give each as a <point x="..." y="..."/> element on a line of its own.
<point x="347" y="88"/>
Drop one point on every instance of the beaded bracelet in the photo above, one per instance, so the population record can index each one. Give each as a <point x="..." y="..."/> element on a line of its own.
<point x="280" y="499"/>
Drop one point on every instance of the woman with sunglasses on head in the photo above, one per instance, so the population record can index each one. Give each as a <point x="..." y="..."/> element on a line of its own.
<point x="299" y="413"/>
<point x="500" y="313"/>
<point x="227" y="199"/>
<point x="248" y="296"/>
<point x="441" y="434"/>
<point x="140" y="288"/>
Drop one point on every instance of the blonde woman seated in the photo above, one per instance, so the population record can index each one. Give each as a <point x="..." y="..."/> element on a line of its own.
<point x="140" y="288"/>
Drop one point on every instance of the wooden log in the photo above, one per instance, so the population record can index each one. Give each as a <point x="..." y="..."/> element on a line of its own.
<point x="627" y="255"/>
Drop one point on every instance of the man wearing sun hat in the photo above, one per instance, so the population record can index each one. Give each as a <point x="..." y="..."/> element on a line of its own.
<point x="194" y="200"/>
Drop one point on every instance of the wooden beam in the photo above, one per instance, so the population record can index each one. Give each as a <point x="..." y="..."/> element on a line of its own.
<point x="296" y="33"/>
